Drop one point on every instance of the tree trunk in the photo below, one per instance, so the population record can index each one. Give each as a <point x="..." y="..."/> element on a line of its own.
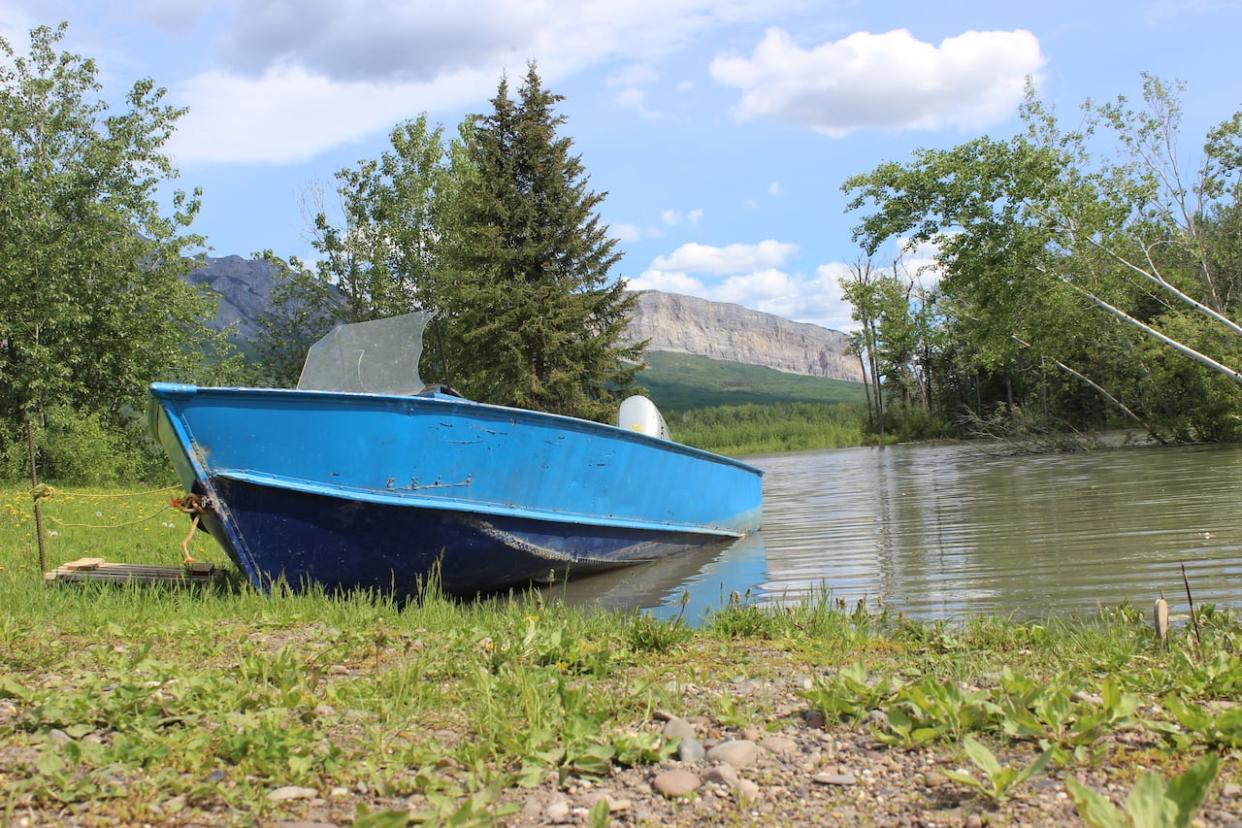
<point x="875" y="379"/>
<point x="1202" y="359"/>
<point x="862" y="366"/>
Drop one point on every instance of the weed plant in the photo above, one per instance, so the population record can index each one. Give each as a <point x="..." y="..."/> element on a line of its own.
<point x="133" y="704"/>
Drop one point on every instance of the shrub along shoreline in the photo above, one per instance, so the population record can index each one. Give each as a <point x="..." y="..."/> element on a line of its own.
<point x="225" y="706"/>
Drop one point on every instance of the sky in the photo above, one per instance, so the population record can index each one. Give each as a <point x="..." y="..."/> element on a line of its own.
<point x="721" y="131"/>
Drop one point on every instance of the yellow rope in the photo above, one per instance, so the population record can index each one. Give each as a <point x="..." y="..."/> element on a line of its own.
<point x="108" y="525"/>
<point x="84" y="496"/>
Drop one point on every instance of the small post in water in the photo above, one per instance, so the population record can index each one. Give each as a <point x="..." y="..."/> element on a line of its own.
<point x="1160" y="620"/>
<point x="1194" y="618"/>
<point x="34" y="492"/>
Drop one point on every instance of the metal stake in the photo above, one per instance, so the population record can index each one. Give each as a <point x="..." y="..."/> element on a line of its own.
<point x="34" y="485"/>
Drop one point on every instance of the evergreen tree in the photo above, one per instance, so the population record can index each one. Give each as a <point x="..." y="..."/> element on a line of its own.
<point x="523" y="277"/>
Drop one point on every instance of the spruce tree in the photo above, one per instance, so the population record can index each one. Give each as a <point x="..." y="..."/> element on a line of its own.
<point x="523" y="284"/>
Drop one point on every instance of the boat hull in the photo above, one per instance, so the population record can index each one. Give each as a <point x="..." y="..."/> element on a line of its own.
<point x="340" y="544"/>
<point x="359" y="491"/>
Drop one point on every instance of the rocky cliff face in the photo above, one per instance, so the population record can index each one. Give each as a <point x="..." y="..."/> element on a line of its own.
<point x="687" y="324"/>
<point x="672" y="322"/>
<point x="245" y="288"/>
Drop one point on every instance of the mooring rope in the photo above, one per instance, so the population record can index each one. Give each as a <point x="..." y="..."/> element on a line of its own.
<point x="44" y="491"/>
<point x="60" y="522"/>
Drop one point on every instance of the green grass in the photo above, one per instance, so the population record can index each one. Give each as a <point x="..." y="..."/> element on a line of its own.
<point x="740" y="430"/>
<point x="678" y="382"/>
<point x="163" y="706"/>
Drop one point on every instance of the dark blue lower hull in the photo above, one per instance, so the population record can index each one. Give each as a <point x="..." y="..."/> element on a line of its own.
<point x="343" y="544"/>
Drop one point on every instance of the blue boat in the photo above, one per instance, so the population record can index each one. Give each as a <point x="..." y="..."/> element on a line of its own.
<point x="354" y="489"/>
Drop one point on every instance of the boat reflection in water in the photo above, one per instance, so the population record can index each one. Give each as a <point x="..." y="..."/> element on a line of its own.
<point x="706" y="574"/>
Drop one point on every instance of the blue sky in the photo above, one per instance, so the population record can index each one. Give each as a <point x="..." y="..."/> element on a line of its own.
<point x="721" y="130"/>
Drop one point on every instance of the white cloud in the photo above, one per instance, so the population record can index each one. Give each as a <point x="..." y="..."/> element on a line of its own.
<point x="172" y="16"/>
<point x="636" y="99"/>
<point x="636" y="74"/>
<point x="732" y="258"/>
<point x="803" y="298"/>
<point x="670" y="217"/>
<point x="752" y="277"/>
<point x="298" y="79"/>
<point x="774" y="188"/>
<point x="685" y="86"/>
<point x="672" y="282"/>
<point x="694" y="215"/>
<point x="750" y="204"/>
<point x="291" y="115"/>
<point x="883" y="81"/>
<point x="625" y="232"/>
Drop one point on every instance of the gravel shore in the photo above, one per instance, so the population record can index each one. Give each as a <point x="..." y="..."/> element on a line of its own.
<point x="791" y="768"/>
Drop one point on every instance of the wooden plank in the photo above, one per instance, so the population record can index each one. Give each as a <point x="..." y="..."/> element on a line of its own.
<point x="100" y="571"/>
<point x="82" y="564"/>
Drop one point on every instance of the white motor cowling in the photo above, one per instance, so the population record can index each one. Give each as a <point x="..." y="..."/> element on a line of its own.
<point x="640" y="414"/>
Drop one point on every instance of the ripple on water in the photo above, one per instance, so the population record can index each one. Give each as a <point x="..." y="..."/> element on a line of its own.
<point x="950" y="530"/>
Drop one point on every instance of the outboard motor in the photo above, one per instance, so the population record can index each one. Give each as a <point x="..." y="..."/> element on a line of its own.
<point x="640" y="414"/>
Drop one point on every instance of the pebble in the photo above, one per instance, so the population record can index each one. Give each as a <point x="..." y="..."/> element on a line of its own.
<point x="289" y="792"/>
<point x="814" y="718"/>
<point x="974" y="821"/>
<point x="747" y="790"/>
<point x="676" y="728"/>
<point x="834" y="779"/>
<point x="616" y="805"/>
<point x="323" y="711"/>
<point x="1231" y="790"/>
<point x="338" y="670"/>
<point x="691" y="750"/>
<point x="752" y="734"/>
<point x="58" y="736"/>
<point x="302" y="823"/>
<point x="677" y="782"/>
<point x="723" y="775"/>
<point x="745" y="687"/>
<point x="215" y="777"/>
<point x="780" y="745"/>
<point x="338" y="792"/>
<point x="557" y="810"/>
<point x="935" y="779"/>
<point x="740" y="753"/>
<point x="532" y="809"/>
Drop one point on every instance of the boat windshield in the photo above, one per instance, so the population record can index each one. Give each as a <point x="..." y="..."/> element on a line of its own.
<point x="377" y="357"/>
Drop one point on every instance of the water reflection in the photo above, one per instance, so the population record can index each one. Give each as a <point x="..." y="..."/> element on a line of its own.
<point x="950" y="530"/>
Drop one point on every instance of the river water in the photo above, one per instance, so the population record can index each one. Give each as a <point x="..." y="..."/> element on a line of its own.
<point x="948" y="531"/>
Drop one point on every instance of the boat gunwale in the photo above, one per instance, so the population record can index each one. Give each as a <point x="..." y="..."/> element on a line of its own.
<point x="163" y="390"/>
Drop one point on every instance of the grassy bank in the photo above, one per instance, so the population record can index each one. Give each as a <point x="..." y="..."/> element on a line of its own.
<point x="677" y="382"/>
<point x="764" y="429"/>
<point x="127" y="705"/>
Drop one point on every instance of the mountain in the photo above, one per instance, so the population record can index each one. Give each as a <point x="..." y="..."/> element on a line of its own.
<point x="673" y="323"/>
<point x="723" y="331"/>
<point x="245" y="289"/>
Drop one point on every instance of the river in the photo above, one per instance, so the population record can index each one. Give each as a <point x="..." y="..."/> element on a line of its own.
<point x="952" y="530"/>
